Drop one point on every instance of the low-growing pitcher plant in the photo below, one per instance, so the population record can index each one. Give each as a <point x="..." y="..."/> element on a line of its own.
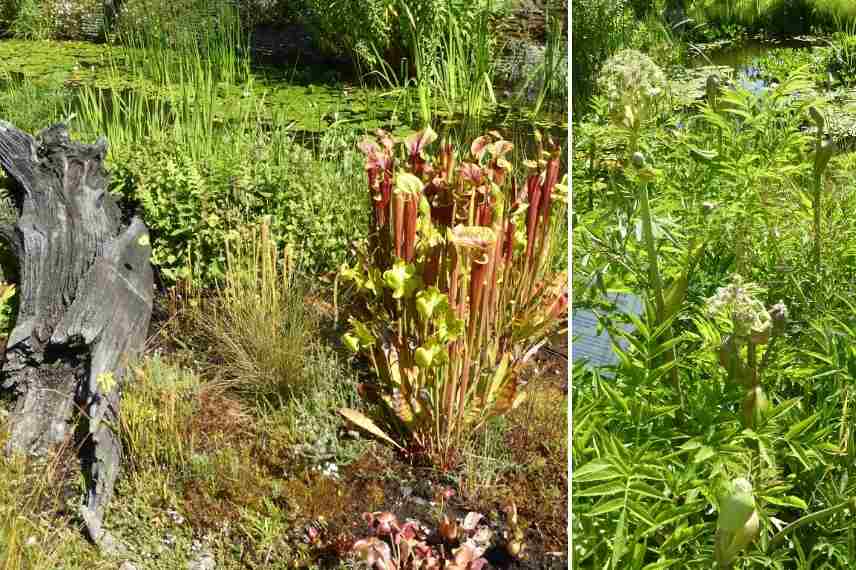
<point x="454" y="292"/>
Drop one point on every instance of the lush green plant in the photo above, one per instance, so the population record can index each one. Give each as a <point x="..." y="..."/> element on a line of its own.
<point x="452" y="74"/>
<point x="655" y="474"/>
<point x="841" y="62"/>
<point x="171" y="41"/>
<point x="777" y="64"/>
<point x="257" y="327"/>
<point x="655" y="37"/>
<point x="599" y="29"/>
<point x="446" y="348"/>
<point x="191" y="204"/>
<point x="718" y="19"/>
<point x="381" y="31"/>
<point x="31" y="19"/>
<point x="550" y="76"/>
<point x="462" y="74"/>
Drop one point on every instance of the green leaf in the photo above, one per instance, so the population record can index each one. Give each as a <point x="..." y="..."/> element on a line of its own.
<point x="608" y="488"/>
<point x="596" y="470"/>
<point x="407" y="183"/>
<point x="606" y="507"/>
<point x="801" y="426"/>
<point x="703" y="454"/>
<point x="619" y="543"/>
<point x="786" y="501"/>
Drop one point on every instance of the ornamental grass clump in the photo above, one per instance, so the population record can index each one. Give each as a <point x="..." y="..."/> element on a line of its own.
<point x="454" y="292"/>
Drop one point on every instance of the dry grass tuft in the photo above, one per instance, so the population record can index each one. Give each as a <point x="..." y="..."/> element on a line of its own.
<point x="257" y="327"/>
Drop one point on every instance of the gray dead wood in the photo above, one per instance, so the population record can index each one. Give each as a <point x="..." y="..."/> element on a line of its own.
<point x="85" y="300"/>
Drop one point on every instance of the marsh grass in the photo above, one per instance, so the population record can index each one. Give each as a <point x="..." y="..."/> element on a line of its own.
<point x="452" y="76"/>
<point x="549" y="80"/>
<point x="462" y="74"/>
<point x="256" y="326"/>
<point x="32" y="498"/>
<point x="157" y="411"/>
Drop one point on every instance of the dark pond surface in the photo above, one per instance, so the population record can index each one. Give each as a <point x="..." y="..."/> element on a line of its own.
<point x="739" y="54"/>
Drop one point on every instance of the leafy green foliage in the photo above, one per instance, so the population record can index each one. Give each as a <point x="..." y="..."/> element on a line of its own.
<point x="379" y="31"/>
<point x="599" y="29"/>
<point x="30" y="19"/>
<point x="651" y="469"/>
<point x="192" y="206"/>
<point x="842" y="58"/>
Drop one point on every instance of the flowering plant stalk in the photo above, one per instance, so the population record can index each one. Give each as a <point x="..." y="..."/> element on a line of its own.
<point x="454" y="290"/>
<point x="752" y="326"/>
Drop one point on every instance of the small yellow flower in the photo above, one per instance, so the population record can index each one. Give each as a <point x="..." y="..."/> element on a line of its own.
<point x="106" y="382"/>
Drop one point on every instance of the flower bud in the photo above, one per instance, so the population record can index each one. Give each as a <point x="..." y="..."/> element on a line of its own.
<point x="730" y="543"/>
<point x="737" y="506"/>
<point x="816" y="117"/>
<point x="779" y="314"/>
<point x="822" y="156"/>
<point x="754" y="407"/>
<point x="711" y="87"/>
<point x="638" y="160"/>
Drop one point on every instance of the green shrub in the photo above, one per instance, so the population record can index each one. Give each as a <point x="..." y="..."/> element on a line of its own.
<point x="841" y="62"/>
<point x="599" y="28"/>
<point x="314" y="200"/>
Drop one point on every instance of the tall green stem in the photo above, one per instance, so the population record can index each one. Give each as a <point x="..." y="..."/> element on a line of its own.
<point x="653" y="266"/>
<point x="817" y="192"/>
<point x="654" y="276"/>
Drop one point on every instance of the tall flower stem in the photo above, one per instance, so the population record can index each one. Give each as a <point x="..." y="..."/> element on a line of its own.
<point x="651" y="248"/>
<point x="654" y="276"/>
<point x="816" y="205"/>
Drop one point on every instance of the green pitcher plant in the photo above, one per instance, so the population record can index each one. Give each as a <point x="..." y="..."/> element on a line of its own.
<point x="454" y="292"/>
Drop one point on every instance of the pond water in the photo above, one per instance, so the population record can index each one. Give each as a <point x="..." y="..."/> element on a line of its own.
<point x="309" y="105"/>
<point x="742" y="53"/>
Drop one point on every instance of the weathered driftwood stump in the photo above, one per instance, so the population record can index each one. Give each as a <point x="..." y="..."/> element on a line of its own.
<point x="85" y="300"/>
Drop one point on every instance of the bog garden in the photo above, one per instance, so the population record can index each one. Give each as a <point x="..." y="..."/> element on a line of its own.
<point x="356" y="219"/>
<point x="713" y="178"/>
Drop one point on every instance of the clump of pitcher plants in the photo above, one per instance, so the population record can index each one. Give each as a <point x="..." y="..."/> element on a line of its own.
<point x="454" y="292"/>
<point x="393" y="545"/>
